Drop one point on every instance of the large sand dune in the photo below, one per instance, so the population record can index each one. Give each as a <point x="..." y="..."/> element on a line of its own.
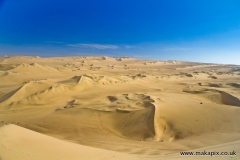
<point x="116" y="108"/>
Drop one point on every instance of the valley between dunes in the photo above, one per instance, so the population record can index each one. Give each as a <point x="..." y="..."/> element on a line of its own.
<point x="116" y="108"/>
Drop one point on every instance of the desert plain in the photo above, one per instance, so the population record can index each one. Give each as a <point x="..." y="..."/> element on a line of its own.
<point x="87" y="108"/>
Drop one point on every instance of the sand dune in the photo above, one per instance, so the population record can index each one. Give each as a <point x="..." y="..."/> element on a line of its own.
<point x="216" y="96"/>
<point x="3" y="73"/>
<point x="34" y="67"/>
<point x="26" y="90"/>
<point x="22" y="147"/>
<point x="28" y="145"/>
<point x="116" y="108"/>
<point x="237" y="85"/>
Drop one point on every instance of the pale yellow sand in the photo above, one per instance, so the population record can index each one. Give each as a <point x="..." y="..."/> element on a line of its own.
<point x="23" y="144"/>
<point x="116" y="108"/>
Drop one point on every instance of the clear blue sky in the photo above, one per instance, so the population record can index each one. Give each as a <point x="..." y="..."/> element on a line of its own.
<point x="191" y="30"/>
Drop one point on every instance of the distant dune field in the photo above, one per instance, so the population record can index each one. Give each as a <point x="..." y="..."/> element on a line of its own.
<point x="116" y="108"/>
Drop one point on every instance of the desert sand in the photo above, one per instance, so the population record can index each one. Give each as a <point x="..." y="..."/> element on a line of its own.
<point x="116" y="108"/>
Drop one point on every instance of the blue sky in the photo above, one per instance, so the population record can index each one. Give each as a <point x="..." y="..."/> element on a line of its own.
<point x="199" y="30"/>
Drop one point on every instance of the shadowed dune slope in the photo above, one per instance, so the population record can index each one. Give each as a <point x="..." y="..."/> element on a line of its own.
<point x="216" y="96"/>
